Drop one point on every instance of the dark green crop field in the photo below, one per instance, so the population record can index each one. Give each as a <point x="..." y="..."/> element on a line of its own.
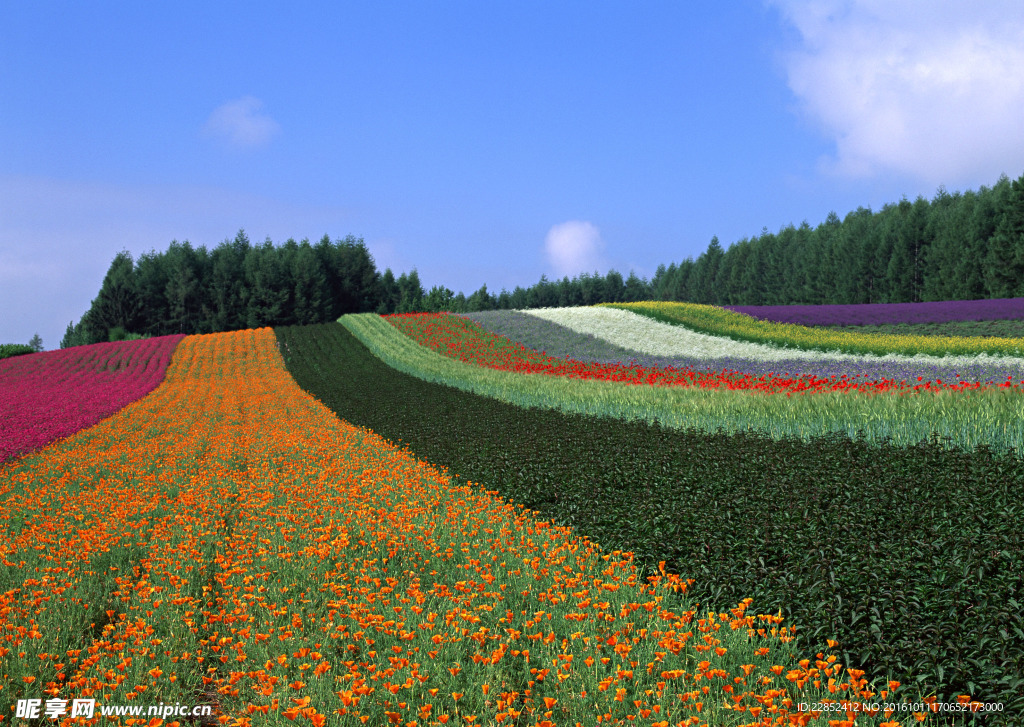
<point x="911" y="558"/>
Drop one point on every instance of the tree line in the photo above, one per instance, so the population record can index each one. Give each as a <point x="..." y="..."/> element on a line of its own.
<point x="960" y="246"/>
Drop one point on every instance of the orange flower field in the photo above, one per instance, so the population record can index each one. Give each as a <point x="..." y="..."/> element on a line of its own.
<point x="227" y="541"/>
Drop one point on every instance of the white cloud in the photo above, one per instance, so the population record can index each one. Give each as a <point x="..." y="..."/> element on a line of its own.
<point x="241" y="124"/>
<point x="933" y="90"/>
<point x="574" y="247"/>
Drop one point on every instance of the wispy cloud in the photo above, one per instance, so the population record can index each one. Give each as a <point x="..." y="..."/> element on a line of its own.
<point x="241" y="124"/>
<point x="574" y="247"/>
<point x="931" y="90"/>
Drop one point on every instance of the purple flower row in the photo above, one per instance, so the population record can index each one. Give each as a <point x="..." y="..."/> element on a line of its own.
<point x="561" y="342"/>
<point x="869" y="314"/>
<point x="49" y="396"/>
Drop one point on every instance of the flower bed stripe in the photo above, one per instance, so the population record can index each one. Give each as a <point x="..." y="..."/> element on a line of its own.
<point x="48" y="396"/>
<point x="460" y="338"/>
<point x="992" y="417"/>
<point x="562" y="341"/>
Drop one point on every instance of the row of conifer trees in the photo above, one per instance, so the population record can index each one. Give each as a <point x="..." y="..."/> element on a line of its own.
<point x="961" y="246"/>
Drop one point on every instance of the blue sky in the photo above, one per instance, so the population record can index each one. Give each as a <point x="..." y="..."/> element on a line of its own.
<point x="485" y="142"/>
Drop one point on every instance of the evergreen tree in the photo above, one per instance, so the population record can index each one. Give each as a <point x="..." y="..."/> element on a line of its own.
<point x="879" y="243"/>
<point x="980" y="228"/>
<point x="388" y="295"/>
<point x="151" y="275"/>
<point x="848" y="244"/>
<point x="636" y="288"/>
<point x="285" y="254"/>
<point x="503" y="300"/>
<point x="772" y="264"/>
<point x="731" y="273"/>
<point x="410" y="292"/>
<point x="591" y="289"/>
<point x="905" y="268"/>
<point x="542" y="295"/>
<point x="946" y="231"/>
<point x="228" y="296"/>
<point x="614" y="287"/>
<point x="664" y="281"/>
<point x="311" y="295"/>
<point x="565" y="293"/>
<point x="267" y="284"/>
<point x="1004" y="261"/>
<point x="658" y="281"/>
<point x="681" y="290"/>
<point x="519" y="298"/>
<point x="352" y="279"/>
<point x="439" y="298"/>
<point x="182" y="291"/>
<point x="803" y="248"/>
<point x="705" y="272"/>
<point x="36" y="343"/>
<point x="74" y="335"/>
<point x="726" y="277"/>
<point x="117" y="305"/>
<point x="481" y="300"/>
<point x="783" y="257"/>
<point x="981" y="225"/>
<point x="824" y="284"/>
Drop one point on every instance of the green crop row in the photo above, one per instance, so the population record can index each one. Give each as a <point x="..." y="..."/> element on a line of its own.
<point x="968" y="419"/>
<point x="912" y="558"/>
<point x="739" y="327"/>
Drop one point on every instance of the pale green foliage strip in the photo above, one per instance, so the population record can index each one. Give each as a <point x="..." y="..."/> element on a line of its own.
<point x="968" y="418"/>
<point x="737" y="326"/>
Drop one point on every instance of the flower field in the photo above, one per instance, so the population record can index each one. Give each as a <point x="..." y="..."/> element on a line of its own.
<point x="286" y="555"/>
<point x="989" y="416"/>
<point x="456" y="337"/>
<point x="880" y="603"/>
<point x="588" y="342"/>
<point x="228" y="541"/>
<point x="47" y="396"/>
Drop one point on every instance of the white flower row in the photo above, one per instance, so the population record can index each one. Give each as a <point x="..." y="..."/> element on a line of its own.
<point x="645" y="335"/>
